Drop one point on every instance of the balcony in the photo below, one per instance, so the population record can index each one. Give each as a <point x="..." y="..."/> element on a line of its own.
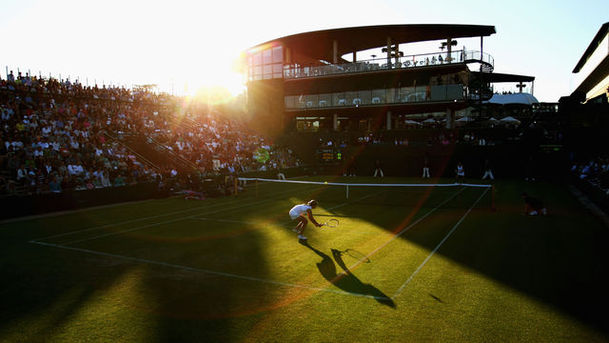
<point x="296" y="71"/>
<point x="378" y="97"/>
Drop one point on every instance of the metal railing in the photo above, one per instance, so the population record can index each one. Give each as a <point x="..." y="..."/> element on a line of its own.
<point x="377" y="97"/>
<point x="295" y="71"/>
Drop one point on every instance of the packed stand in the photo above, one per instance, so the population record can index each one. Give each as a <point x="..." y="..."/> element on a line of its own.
<point x="54" y="137"/>
<point x="594" y="171"/>
<point x="59" y="136"/>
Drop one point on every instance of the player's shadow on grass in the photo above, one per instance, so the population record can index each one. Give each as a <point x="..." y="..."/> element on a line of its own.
<point x="346" y="281"/>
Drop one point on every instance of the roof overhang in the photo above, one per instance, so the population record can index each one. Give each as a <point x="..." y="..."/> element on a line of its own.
<point x="602" y="32"/>
<point x="320" y="44"/>
<point x="499" y="78"/>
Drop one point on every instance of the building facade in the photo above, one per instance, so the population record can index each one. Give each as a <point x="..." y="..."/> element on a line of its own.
<point x="318" y="80"/>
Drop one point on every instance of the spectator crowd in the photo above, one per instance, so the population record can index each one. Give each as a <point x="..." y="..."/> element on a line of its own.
<point x="58" y="135"/>
<point x="594" y="170"/>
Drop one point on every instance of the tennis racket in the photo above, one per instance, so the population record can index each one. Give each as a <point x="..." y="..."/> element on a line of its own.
<point x="331" y="223"/>
<point x="356" y="255"/>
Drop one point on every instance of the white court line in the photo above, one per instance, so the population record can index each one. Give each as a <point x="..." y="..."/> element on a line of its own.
<point x="208" y="206"/>
<point x="167" y="222"/>
<point x="140" y="260"/>
<point x="399" y="291"/>
<point x="225" y="220"/>
<point x="192" y="216"/>
<point x="404" y="230"/>
<point x="207" y="271"/>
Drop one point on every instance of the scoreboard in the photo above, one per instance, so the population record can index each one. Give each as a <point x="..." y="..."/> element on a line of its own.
<point x="329" y="155"/>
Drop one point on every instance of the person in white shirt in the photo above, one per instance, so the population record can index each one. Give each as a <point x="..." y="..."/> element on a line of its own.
<point x="459" y="173"/>
<point x="300" y="213"/>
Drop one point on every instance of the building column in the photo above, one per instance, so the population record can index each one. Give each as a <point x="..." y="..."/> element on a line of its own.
<point x="397" y="52"/>
<point x="388" y="120"/>
<point x="450" y="118"/>
<point x="335" y="51"/>
<point x="449" y="46"/>
<point x="335" y="122"/>
<point x="388" y="52"/>
<point x="354" y="56"/>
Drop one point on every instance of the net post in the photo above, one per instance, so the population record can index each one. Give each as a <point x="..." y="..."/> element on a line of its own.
<point x="493" y="208"/>
<point x="256" y="186"/>
<point x="236" y="185"/>
<point x="347" y="190"/>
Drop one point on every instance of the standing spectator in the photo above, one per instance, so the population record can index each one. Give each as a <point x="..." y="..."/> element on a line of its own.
<point x="459" y="173"/>
<point x="426" y="166"/>
<point x="378" y="169"/>
<point x="488" y="171"/>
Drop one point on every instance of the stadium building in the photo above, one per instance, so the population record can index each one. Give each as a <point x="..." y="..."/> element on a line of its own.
<point x="323" y="80"/>
<point x="591" y="74"/>
<point x="334" y="87"/>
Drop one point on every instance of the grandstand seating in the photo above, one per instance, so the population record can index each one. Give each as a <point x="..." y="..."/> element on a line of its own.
<point x="70" y="136"/>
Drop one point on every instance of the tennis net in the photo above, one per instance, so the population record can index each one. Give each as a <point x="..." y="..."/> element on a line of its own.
<point x="381" y="194"/>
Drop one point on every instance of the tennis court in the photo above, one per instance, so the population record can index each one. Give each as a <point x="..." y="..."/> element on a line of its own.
<point x="404" y="264"/>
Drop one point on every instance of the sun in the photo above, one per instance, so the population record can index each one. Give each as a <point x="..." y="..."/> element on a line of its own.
<point x="215" y="82"/>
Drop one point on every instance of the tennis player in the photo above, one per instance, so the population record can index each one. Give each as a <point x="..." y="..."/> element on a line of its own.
<point x="300" y="213"/>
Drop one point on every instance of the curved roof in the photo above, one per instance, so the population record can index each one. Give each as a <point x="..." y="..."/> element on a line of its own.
<point x="517" y="98"/>
<point x="319" y="44"/>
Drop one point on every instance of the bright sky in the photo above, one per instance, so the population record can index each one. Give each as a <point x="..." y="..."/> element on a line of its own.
<point x="185" y="45"/>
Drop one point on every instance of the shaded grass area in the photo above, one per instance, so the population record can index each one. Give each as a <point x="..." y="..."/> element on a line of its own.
<point x="230" y="269"/>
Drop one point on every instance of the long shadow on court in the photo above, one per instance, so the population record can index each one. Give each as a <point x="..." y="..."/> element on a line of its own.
<point x="560" y="259"/>
<point x="346" y="281"/>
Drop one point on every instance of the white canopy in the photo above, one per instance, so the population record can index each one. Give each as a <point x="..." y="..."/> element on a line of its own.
<point x="510" y="120"/>
<point x="516" y="98"/>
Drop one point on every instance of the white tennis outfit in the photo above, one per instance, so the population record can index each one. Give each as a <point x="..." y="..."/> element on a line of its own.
<point x="298" y="210"/>
<point x="460" y="171"/>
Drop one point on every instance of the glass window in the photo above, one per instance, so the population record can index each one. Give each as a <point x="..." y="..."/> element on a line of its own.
<point x="290" y="102"/>
<point x="266" y="57"/>
<point x="267" y="70"/>
<point x="300" y="101"/>
<point x="277" y="71"/>
<point x="311" y="101"/>
<point x="390" y="95"/>
<point x="378" y="96"/>
<point x="277" y="54"/>
<point x="351" y="98"/>
<point x="407" y="94"/>
<point x="257" y="71"/>
<point x="365" y="97"/>
<point x="339" y="99"/>
<point x="325" y="100"/>
<point x="257" y="59"/>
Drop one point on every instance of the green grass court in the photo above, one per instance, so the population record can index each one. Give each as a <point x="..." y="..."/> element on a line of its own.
<point x="405" y="264"/>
